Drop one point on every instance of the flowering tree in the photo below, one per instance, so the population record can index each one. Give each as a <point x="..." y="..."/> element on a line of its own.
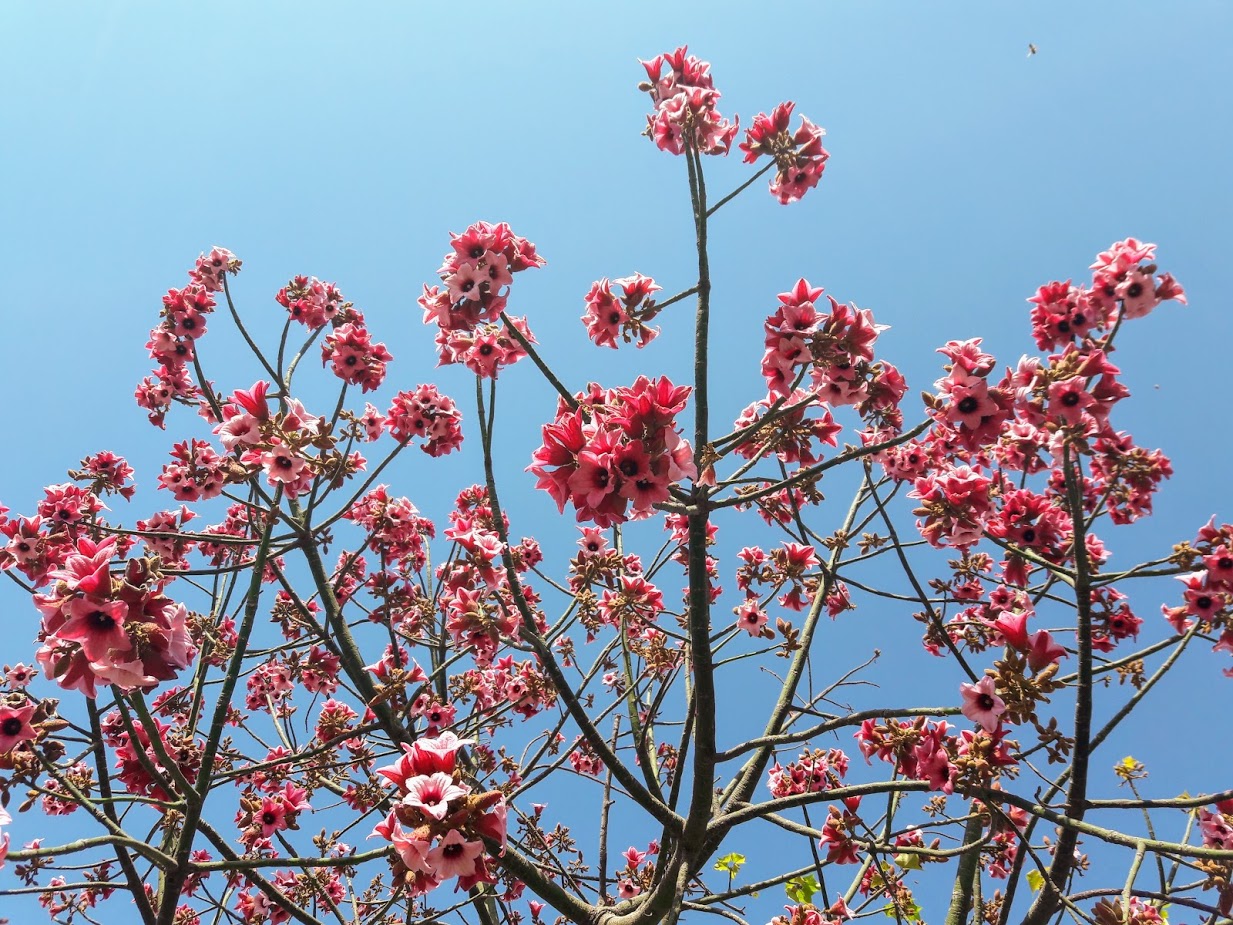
<point x="314" y="709"/>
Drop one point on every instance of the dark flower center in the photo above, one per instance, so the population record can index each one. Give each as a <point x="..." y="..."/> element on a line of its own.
<point x="1070" y="399"/>
<point x="968" y="405"/>
<point x="1134" y="290"/>
<point x="452" y="849"/>
<point x="1029" y="535"/>
<point x="985" y="702"/>
<point x="628" y="468"/>
<point x="1203" y="603"/>
<point x="11" y="726"/>
<point x="476" y="251"/>
<point x="269" y="818"/>
<point x="101" y="619"/>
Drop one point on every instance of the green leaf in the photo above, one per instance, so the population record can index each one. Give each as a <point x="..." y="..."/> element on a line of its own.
<point x="730" y="863"/>
<point x="802" y="889"/>
<point x="1035" y="880"/>
<point x="908" y="861"/>
<point x="908" y="910"/>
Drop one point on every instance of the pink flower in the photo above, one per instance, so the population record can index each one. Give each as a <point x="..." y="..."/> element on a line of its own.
<point x="982" y="705"/>
<point x="411" y="850"/>
<point x="97" y="625"/>
<point x="15" y="726"/>
<point x="454" y="856"/>
<point x="750" y="617"/>
<point x="1043" y="651"/>
<point x="272" y="817"/>
<point x="430" y="755"/>
<point x="628" y="889"/>
<point x="431" y="794"/>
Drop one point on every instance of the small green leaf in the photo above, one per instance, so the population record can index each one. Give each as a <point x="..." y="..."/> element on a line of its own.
<point x="730" y="864"/>
<point x="908" y="861"/>
<point x="802" y="889"/>
<point x="1035" y="880"/>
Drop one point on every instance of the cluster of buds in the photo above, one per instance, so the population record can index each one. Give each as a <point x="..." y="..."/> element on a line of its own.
<point x="799" y="156"/>
<point x="684" y="97"/>
<point x="467" y="309"/>
<point x="438" y="827"/>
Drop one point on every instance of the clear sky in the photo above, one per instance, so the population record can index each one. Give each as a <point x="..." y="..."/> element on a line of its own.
<point x="346" y="140"/>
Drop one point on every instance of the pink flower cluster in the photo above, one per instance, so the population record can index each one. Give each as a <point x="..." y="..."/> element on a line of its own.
<point x="106" y="473"/>
<point x="118" y="629"/>
<point x="426" y="413"/>
<point x="799" y="156"/>
<point x="619" y="448"/>
<point x="791" y="435"/>
<point x="813" y="772"/>
<point x="684" y="97"/>
<point x="608" y="316"/>
<point x="836" y="349"/>
<point x="262" y="815"/>
<point x="809" y="914"/>
<point x="353" y="356"/>
<point x="173" y="342"/>
<point x="955" y="503"/>
<point x="37" y="545"/>
<point x="475" y="599"/>
<point x="1208" y="597"/>
<point x="1122" y="276"/>
<point x="393" y="526"/>
<point x="919" y="750"/>
<point x="438" y="827"/>
<point x="1026" y="421"/>
<point x="278" y="444"/>
<point x="136" y="754"/>
<point x="311" y="302"/>
<point x="467" y="309"/>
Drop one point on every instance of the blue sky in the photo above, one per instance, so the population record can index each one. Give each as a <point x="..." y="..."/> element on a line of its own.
<point x="346" y="141"/>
